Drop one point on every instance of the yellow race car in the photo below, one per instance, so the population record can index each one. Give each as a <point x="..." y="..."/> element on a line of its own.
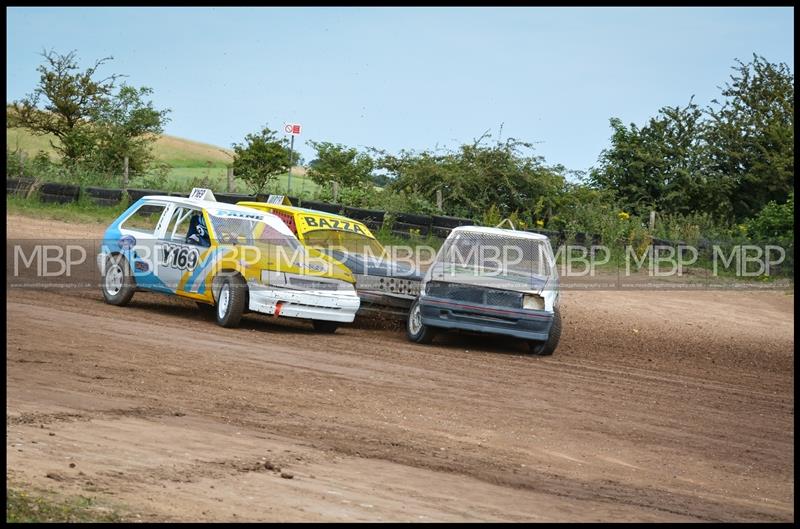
<point x="229" y="257"/>
<point x="383" y="283"/>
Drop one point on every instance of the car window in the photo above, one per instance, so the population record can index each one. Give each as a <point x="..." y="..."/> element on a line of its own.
<point x="186" y="226"/>
<point x="145" y="218"/>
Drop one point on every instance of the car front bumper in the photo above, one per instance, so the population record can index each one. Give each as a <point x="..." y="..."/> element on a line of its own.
<point x="307" y="304"/>
<point x="519" y="323"/>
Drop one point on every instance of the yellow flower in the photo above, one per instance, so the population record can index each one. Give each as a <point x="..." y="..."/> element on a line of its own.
<point x="623" y="216"/>
<point x="540" y="223"/>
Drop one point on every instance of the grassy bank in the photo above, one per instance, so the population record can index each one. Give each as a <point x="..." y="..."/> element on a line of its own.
<point x="191" y="164"/>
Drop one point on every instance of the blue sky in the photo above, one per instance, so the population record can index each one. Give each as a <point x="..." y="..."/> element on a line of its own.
<point x="413" y="78"/>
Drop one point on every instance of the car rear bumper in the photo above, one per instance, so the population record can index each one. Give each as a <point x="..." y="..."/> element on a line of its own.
<point x="519" y="323"/>
<point x="307" y="304"/>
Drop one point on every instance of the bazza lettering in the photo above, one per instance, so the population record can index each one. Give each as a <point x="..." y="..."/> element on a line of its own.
<point x="333" y="224"/>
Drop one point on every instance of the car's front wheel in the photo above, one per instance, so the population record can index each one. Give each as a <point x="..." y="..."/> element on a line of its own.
<point x="118" y="283"/>
<point x="548" y="347"/>
<point x="416" y="330"/>
<point x="231" y="301"/>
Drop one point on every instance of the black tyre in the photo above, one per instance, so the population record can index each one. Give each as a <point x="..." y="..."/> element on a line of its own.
<point x="231" y="301"/>
<point x="117" y="284"/>
<point x="415" y="329"/>
<point x="327" y="327"/>
<point x="548" y="348"/>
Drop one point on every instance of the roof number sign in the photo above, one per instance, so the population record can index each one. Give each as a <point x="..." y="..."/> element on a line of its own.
<point x="200" y="193"/>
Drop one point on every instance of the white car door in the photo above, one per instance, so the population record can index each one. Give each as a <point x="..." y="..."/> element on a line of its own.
<point x="177" y="255"/>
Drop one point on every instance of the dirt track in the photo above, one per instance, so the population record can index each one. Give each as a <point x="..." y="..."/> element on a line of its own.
<point x="656" y="406"/>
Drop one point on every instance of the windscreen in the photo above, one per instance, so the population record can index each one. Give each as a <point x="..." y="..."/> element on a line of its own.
<point x="346" y="241"/>
<point x="501" y="261"/>
<point x="251" y="231"/>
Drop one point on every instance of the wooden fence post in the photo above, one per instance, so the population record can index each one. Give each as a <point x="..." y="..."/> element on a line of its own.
<point x="439" y="200"/>
<point x="652" y="220"/>
<point x="125" y="175"/>
<point x="335" y="186"/>
<point x="230" y="178"/>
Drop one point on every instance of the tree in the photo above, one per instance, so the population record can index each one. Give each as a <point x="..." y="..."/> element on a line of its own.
<point x="476" y="177"/>
<point x="663" y="165"/>
<point x="728" y="160"/>
<point x="261" y="158"/>
<point x="751" y="134"/>
<point x="69" y="98"/>
<point x="127" y="126"/>
<point x="774" y="223"/>
<point x="340" y="164"/>
<point x="93" y="124"/>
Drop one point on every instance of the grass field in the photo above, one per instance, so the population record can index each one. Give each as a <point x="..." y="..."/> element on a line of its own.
<point x="215" y="178"/>
<point x="192" y="163"/>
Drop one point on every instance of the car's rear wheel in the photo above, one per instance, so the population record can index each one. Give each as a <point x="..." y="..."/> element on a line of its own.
<point x="548" y="347"/>
<point x="231" y="301"/>
<point x="416" y="330"/>
<point x="327" y="327"/>
<point x="118" y="283"/>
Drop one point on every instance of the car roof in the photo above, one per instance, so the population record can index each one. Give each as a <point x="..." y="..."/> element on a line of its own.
<point x="502" y="232"/>
<point x="214" y="208"/>
<point x="210" y="205"/>
<point x="298" y="209"/>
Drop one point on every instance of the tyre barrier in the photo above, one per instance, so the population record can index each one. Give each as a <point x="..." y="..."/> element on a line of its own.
<point x="413" y="218"/>
<point x="440" y="231"/>
<point x="59" y="193"/>
<point x="441" y="221"/>
<point x="364" y="214"/>
<point x="104" y="197"/>
<point x="233" y="198"/>
<point x="373" y="225"/>
<point x="322" y="206"/>
<point x="405" y="227"/>
<point x="136" y="194"/>
<point x="18" y="186"/>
